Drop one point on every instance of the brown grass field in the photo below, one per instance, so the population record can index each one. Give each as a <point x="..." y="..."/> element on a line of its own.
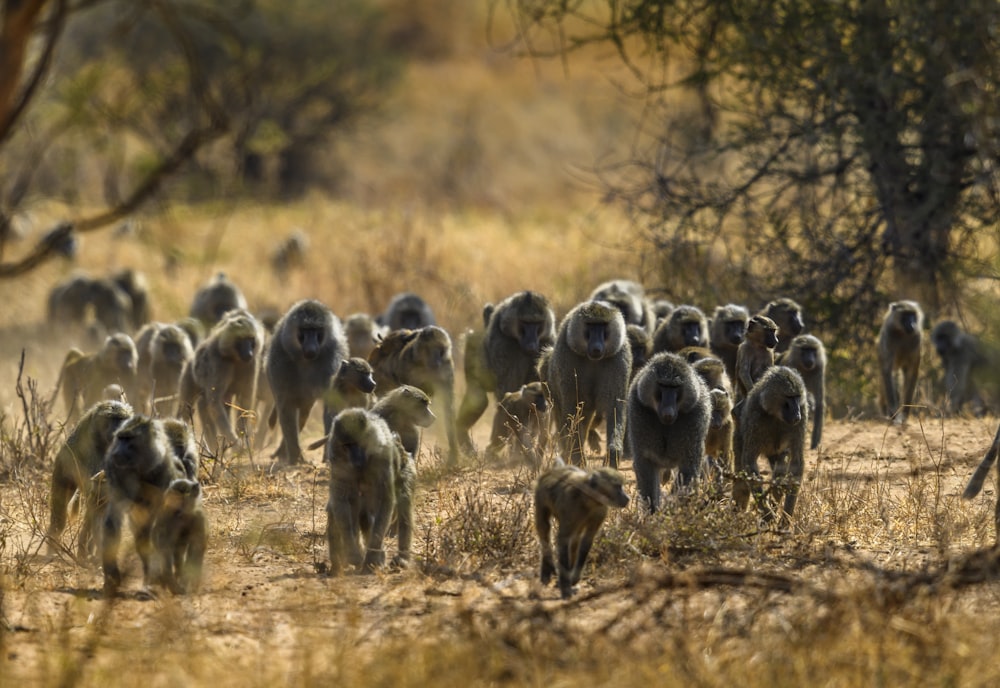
<point x="884" y="578"/>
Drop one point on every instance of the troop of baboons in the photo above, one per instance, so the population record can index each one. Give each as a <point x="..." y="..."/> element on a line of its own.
<point x="687" y="398"/>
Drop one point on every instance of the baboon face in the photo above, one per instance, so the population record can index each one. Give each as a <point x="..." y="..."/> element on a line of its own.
<point x="534" y="394"/>
<point x="310" y="341"/>
<point x="639" y="343"/>
<point x="946" y="337"/>
<point x="787" y="314"/>
<point x="240" y="337"/>
<point x="359" y="373"/>
<point x="722" y="408"/>
<point x="109" y="416"/>
<point x="596" y="330"/>
<point x="527" y="318"/>
<point x="119" y="350"/>
<point x="734" y="331"/>
<point x="809" y="357"/>
<point x="763" y="330"/>
<point x="136" y="439"/>
<point x="434" y="346"/>
<point x="688" y="322"/>
<point x="610" y="486"/>
<point x="906" y="316"/>
<point x="791" y="409"/>
<point x="173" y="345"/>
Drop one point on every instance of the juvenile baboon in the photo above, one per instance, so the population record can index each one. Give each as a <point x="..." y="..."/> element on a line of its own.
<point x="135" y="285"/>
<point x="967" y="364"/>
<point x="406" y="311"/>
<point x="79" y="458"/>
<point x="215" y="299"/>
<point x="180" y="439"/>
<point x="371" y="478"/>
<point x="84" y="376"/>
<point x="713" y="371"/>
<point x="421" y="358"/>
<point x="807" y="355"/>
<point x="719" y="439"/>
<point x="223" y="373"/>
<point x="179" y="534"/>
<point x="306" y="351"/>
<point x="756" y="354"/>
<point x="979" y="477"/>
<point x="579" y="500"/>
<point x="641" y="346"/>
<point x="363" y="334"/>
<point x="588" y="376"/>
<point x="353" y="386"/>
<point x="787" y="315"/>
<point x="669" y="410"/>
<point x="899" y="344"/>
<point x="728" y="330"/>
<point x="290" y="253"/>
<point x="630" y="298"/>
<point x="685" y="326"/>
<point x="521" y="421"/>
<point x="772" y="422"/>
<point x="406" y="410"/>
<point x="506" y="355"/>
<point x="163" y="350"/>
<point x="661" y="311"/>
<point x="138" y="468"/>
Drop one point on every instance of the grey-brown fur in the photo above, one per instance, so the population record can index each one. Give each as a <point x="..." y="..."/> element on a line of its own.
<point x="629" y="297"/>
<point x="179" y="537"/>
<point x="727" y="331"/>
<point x="899" y="351"/>
<point x="808" y="356"/>
<point x="164" y="349"/>
<point x="967" y="366"/>
<point x="353" y="386"/>
<point x="755" y="355"/>
<point x="787" y="315"/>
<point x="685" y="326"/>
<point x="521" y="422"/>
<point x="406" y="311"/>
<point x="215" y="299"/>
<point x="363" y="334"/>
<point x="84" y="376"/>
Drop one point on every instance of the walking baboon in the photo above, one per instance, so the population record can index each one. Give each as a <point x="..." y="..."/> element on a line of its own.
<point x="194" y="329"/>
<point x="163" y="351"/>
<point x="290" y="253"/>
<point x="84" y="376"/>
<point x="899" y="344"/>
<point x="521" y="421"/>
<point x="967" y="364"/>
<point x="363" y="334"/>
<point x="353" y="386"/>
<point x="719" y="439"/>
<point x="630" y="298"/>
<point x="728" y="330"/>
<point x="112" y="305"/>
<point x="787" y="315"/>
<point x="579" y="500"/>
<point x="641" y="346"/>
<point x="669" y="410"/>
<point x="68" y="301"/>
<point x="79" y="458"/>
<point x="772" y="422"/>
<point x="979" y="477"/>
<point x="685" y="326"/>
<point x="588" y="376"/>
<point x="807" y="355"/>
<point x="406" y="410"/>
<point x="506" y="355"/>
<point x="713" y="371"/>
<point x="138" y="468"/>
<point x="755" y="355"/>
<point x="136" y="287"/>
<point x="223" y="373"/>
<point x="406" y="311"/>
<point x="371" y="478"/>
<point x="180" y="439"/>
<point x="179" y="534"/>
<point x="421" y="358"/>
<point x="215" y="299"/>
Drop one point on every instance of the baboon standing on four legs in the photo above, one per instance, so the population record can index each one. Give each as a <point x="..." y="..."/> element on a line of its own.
<point x="966" y="363"/>
<point x="899" y="344"/>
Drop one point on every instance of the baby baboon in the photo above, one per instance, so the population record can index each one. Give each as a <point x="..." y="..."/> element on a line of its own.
<point x="807" y="355"/>
<point x="139" y="467"/>
<point x="728" y="330"/>
<point x="966" y="365"/>
<point x="421" y="358"/>
<point x="899" y="350"/>
<point x="685" y="326"/>
<point x="641" y="346"/>
<point x="371" y="478"/>
<point x="630" y="298"/>
<point x="772" y="422"/>
<point x="506" y="355"/>
<point x="521" y="421"/>
<point x="84" y="376"/>
<point x="756" y="354"/>
<point x="363" y="334"/>
<point x="406" y="311"/>
<point x="223" y="373"/>
<point x="353" y="386"/>
<point x="713" y="371"/>
<point x="719" y="439"/>
<point x="135" y="285"/>
<point x="163" y="349"/>
<point x="669" y="410"/>
<point x="578" y="499"/>
<point x="179" y="534"/>
<point x="588" y="377"/>
<point x="406" y="410"/>
<point x="80" y="457"/>
<point x="215" y="299"/>
<point x="787" y="315"/>
<point x="306" y="351"/>
<point x="290" y="253"/>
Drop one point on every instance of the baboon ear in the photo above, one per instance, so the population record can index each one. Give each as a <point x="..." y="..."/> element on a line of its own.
<point x="343" y="364"/>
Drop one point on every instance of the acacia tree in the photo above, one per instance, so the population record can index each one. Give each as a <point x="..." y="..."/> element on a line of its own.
<point x="845" y="151"/>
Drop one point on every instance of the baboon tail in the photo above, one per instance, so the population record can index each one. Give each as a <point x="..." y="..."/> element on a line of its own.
<point x="979" y="477"/>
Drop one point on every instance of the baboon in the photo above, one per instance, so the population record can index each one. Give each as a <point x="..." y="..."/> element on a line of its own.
<point x="180" y="439"/>
<point x="406" y="311"/>
<point x="641" y="346"/>
<point x="728" y="330"/>
<point x="966" y="363"/>
<point x="979" y="477"/>
<point x="661" y="311"/>
<point x="138" y="468"/>
<point x="787" y="315"/>
<point x="135" y="285"/>
<point x="630" y="298"/>
<point x="79" y="458"/>
<point x="713" y="371"/>
<point x="807" y="355"/>
<point x="112" y="305"/>
<point x="756" y="354"/>
<point x="506" y="355"/>
<point x="222" y="373"/>
<point x="669" y="410"/>
<point x="578" y="499"/>
<point x="521" y="421"/>
<point x="215" y="299"/>
<point x="588" y="376"/>
<point x="306" y="351"/>
<point x="68" y="301"/>
<point x="719" y="439"/>
<point x="685" y="326"/>
<point x="84" y="376"/>
<point x="899" y="347"/>
<point x="772" y="422"/>
<point x="353" y="386"/>
<point x="163" y="350"/>
<point x="363" y="334"/>
<point x="693" y="354"/>
<point x="421" y="358"/>
<point x="371" y="478"/>
<point x="194" y="329"/>
<point x="179" y="534"/>
<point x="290" y="253"/>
